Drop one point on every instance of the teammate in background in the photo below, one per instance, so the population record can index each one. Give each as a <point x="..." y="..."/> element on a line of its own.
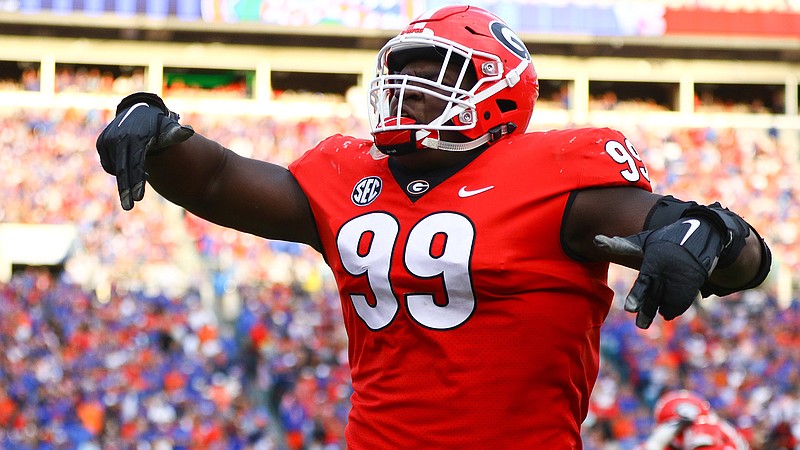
<point x="685" y="421"/>
<point x="471" y="257"/>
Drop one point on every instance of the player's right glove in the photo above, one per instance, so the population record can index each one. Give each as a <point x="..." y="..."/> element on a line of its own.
<point x="677" y="260"/>
<point x="143" y="126"/>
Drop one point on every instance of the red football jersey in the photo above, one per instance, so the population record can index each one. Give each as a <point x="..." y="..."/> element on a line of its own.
<point x="468" y="325"/>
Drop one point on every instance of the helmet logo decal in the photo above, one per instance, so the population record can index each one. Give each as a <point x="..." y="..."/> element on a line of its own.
<point x="418" y="29"/>
<point x="418" y="187"/>
<point x="366" y="191"/>
<point x="509" y="39"/>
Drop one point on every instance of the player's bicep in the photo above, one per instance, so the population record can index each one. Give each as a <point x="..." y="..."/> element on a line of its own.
<point x="245" y="194"/>
<point x="611" y="211"/>
<point x="260" y="198"/>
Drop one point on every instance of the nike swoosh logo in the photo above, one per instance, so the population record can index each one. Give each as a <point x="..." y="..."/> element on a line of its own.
<point x="130" y="110"/>
<point x="463" y="192"/>
<point x="694" y="224"/>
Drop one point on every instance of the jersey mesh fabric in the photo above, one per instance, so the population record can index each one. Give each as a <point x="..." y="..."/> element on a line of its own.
<point x="483" y="332"/>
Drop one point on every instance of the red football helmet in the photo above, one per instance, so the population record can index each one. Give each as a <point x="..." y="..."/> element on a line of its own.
<point x="712" y="435"/>
<point x="475" y="40"/>
<point x="681" y="405"/>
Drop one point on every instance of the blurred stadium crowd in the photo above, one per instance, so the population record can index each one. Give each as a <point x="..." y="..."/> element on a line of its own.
<point x="99" y="80"/>
<point x="103" y="355"/>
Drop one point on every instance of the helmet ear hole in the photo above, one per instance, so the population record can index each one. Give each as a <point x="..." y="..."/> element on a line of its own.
<point x="487" y="115"/>
<point x="505" y="105"/>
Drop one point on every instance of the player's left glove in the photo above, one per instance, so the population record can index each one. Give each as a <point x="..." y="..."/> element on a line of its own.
<point x="677" y="260"/>
<point x="143" y="126"/>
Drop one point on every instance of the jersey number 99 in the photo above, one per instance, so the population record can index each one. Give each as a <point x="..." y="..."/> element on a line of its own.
<point x="627" y="155"/>
<point x="438" y="246"/>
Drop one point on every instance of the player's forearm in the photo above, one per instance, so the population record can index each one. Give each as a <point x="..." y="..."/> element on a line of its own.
<point x="744" y="269"/>
<point x="184" y="172"/>
<point x="245" y="194"/>
<point x="744" y="259"/>
<point x="749" y="268"/>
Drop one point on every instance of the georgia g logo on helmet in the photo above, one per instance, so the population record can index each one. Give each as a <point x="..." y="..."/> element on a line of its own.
<point x="509" y="39"/>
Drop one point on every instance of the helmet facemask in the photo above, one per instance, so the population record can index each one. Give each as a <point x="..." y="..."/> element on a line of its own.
<point x="394" y="133"/>
<point x="496" y="99"/>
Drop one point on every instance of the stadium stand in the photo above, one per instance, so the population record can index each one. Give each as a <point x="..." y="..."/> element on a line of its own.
<point x="281" y="361"/>
<point x="202" y="337"/>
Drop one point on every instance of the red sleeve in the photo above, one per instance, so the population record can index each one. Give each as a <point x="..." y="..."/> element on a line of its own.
<point x="604" y="157"/>
<point x="331" y="157"/>
<point x="300" y="164"/>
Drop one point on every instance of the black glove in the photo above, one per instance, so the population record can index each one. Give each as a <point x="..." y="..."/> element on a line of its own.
<point x="676" y="261"/>
<point x="143" y="126"/>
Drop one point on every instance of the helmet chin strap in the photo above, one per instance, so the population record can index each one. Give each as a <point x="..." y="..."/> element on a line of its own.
<point x="404" y="142"/>
<point x="493" y="135"/>
<point x="438" y="144"/>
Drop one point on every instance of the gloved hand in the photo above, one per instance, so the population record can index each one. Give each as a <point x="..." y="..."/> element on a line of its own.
<point x="143" y="126"/>
<point x="677" y="260"/>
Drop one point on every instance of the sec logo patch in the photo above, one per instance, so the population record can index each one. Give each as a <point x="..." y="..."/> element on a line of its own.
<point x="366" y="191"/>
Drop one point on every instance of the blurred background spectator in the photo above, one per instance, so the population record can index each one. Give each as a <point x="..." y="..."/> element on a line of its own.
<point x="166" y="331"/>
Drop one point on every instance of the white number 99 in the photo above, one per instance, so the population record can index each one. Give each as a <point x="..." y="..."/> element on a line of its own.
<point x="627" y="154"/>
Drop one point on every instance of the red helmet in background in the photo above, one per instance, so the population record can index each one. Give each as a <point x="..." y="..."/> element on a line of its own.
<point x="681" y="405"/>
<point x="474" y="40"/>
<point x="713" y="434"/>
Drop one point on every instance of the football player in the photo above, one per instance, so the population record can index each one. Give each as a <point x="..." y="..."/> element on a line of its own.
<point x="471" y="257"/>
<point x="685" y="421"/>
